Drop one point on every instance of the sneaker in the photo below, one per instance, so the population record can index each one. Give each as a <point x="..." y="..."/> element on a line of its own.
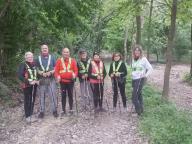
<point x="41" y="115"/>
<point x="114" y="110"/>
<point x="63" y="113"/>
<point x="55" y="114"/>
<point x="28" y="121"/>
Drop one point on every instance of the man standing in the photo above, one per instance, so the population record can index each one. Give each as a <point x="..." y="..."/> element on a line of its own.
<point x="83" y="66"/>
<point x="65" y="72"/>
<point x="46" y="64"/>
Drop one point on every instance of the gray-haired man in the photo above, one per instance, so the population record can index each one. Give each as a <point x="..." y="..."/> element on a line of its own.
<point x="46" y="63"/>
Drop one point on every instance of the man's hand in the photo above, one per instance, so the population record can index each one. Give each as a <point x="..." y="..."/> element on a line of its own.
<point x="58" y="79"/>
<point x="98" y="77"/>
<point x="73" y="75"/>
<point x="48" y="74"/>
<point x="44" y="74"/>
<point x="83" y="77"/>
<point x="112" y="75"/>
<point x="37" y="82"/>
<point x="86" y="75"/>
<point x="117" y="74"/>
<point x="32" y="82"/>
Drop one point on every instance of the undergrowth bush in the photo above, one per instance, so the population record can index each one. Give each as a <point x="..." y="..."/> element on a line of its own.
<point x="188" y="79"/>
<point x="162" y="122"/>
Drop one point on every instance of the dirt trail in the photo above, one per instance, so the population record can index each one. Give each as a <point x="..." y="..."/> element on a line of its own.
<point x="106" y="128"/>
<point x="180" y="92"/>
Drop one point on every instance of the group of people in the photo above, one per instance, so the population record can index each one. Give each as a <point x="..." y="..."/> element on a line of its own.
<point x="45" y="72"/>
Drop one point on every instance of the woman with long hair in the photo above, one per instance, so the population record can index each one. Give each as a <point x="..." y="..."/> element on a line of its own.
<point x="141" y="68"/>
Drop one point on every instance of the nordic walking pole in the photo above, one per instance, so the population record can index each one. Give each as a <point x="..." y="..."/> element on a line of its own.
<point x="106" y="97"/>
<point x="136" y="92"/>
<point x="55" y="105"/>
<point x="31" y="102"/>
<point x="88" y="95"/>
<point x="118" y="97"/>
<point x="100" y="90"/>
<point x="84" y="96"/>
<point x="75" y="99"/>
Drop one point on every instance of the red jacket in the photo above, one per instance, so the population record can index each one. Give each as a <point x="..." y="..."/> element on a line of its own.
<point x="63" y="70"/>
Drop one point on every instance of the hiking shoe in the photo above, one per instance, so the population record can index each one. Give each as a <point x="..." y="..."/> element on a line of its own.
<point x="41" y="115"/>
<point x="55" y="114"/>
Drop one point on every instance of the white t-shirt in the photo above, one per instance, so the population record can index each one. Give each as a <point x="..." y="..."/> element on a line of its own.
<point x="141" y="68"/>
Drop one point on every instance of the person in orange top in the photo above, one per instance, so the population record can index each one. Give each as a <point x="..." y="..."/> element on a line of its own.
<point x="66" y="72"/>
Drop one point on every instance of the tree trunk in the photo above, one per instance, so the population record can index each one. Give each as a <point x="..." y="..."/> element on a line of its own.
<point x="169" y="50"/>
<point x="138" y="36"/>
<point x="191" y="52"/>
<point x="149" y="29"/>
<point x="125" y="43"/>
<point x="157" y="56"/>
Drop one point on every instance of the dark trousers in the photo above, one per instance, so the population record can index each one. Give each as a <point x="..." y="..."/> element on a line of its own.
<point x="97" y="89"/>
<point x="29" y="99"/>
<point x="121" y="87"/>
<point x="137" y="97"/>
<point x="67" y="89"/>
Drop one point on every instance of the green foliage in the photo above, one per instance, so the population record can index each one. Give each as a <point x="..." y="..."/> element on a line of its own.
<point x="162" y="122"/>
<point x="188" y="78"/>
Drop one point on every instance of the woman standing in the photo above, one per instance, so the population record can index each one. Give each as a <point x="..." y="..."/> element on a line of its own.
<point x="141" y="68"/>
<point x="118" y="73"/>
<point x="96" y="74"/>
<point x="27" y="73"/>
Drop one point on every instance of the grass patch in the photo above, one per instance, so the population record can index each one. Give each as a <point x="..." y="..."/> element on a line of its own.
<point x="162" y="122"/>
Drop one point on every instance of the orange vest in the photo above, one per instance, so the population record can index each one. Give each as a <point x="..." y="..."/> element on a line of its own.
<point x="96" y="71"/>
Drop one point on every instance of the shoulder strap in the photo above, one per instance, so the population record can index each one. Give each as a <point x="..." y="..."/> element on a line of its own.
<point x="68" y="66"/>
<point x="117" y="69"/>
<point x="48" y="63"/>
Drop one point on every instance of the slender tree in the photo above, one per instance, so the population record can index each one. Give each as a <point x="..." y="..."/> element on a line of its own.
<point x="149" y="29"/>
<point x="191" y="52"/>
<point x="170" y="46"/>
